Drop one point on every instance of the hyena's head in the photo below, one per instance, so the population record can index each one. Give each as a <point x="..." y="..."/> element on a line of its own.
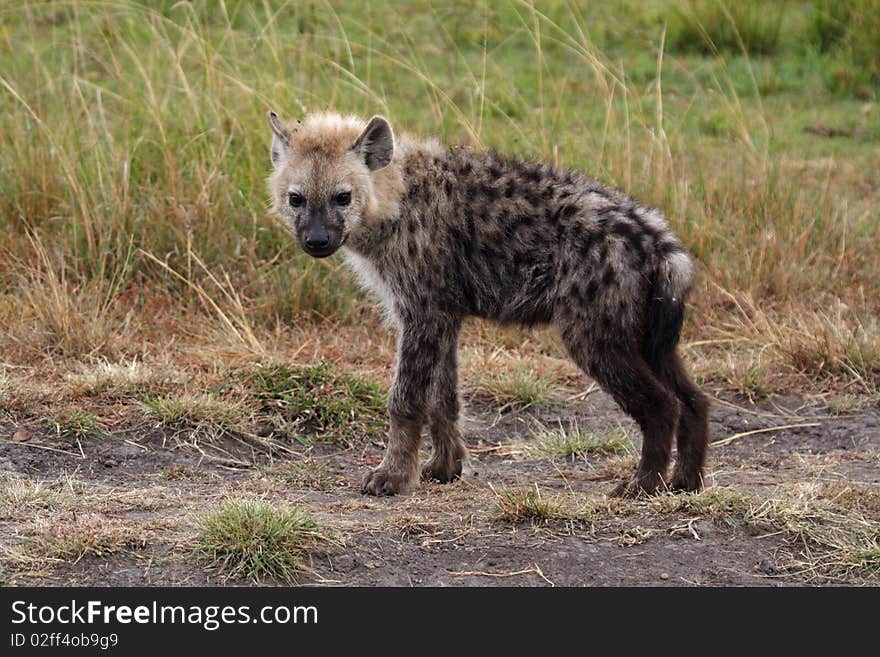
<point x="322" y="180"/>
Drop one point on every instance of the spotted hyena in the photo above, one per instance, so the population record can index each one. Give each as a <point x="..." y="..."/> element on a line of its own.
<point x="441" y="234"/>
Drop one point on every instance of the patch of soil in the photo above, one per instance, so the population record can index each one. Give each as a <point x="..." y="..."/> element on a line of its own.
<point x="452" y="535"/>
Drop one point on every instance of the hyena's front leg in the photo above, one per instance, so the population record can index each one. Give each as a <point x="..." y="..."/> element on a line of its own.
<point x="417" y="356"/>
<point x="449" y="449"/>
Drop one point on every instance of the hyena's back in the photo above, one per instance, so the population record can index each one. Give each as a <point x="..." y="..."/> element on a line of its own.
<point x="523" y="242"/>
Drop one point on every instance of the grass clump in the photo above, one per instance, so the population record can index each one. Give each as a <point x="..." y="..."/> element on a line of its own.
<point x="574" y="443"/>
<point x="200" y="412"/>
<point x="310" y="474"/>
<point x="24" y="495"/>
<point x="848" y="32"/>
<point x="70" y="422"/>
<point x="255" y="540"/>
<point x="724" y="506"/>
<point x="515" y="389"/>
<point x="86" y="534"/>
<point x="519" y="505"/>
<point x="117" y="379"/>
<point x="319" y="402"/>
<point x="181" y="473"/>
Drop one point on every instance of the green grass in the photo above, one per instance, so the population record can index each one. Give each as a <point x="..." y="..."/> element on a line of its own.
<point x="318" y="402"/>
<point x="709" y="26"/>
<point x="537" y="507"/>
<point x="200" y="411"/>
<point x="518" y="505"/>
<point x="573" y="443"/>
<point x="74" y="422"/>
<point x="133" y="145"/>
<point x="255" y="540"/>
<point x="516" y="388"/>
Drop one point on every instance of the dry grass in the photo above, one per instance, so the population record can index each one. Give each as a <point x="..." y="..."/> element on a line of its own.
<point x="85" y="534"/>
<point x="119" y="379"/>
<point x="519" y="505"/>
<point x="833" y="528"/>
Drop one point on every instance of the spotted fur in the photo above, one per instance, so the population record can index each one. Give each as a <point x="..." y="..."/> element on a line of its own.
<point x="443" y="234"/>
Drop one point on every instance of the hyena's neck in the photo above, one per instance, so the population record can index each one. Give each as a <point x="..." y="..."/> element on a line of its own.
<point x="382" y="216"/>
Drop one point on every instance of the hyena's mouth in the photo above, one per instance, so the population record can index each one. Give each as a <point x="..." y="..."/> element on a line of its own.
<point x="323" y="252"/>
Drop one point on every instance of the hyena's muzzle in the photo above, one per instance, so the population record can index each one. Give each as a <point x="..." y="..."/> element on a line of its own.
<point x="319" y="235"/>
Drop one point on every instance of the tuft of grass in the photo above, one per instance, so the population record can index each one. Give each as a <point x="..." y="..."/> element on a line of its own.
<point x="851" y="497"/>
<point x="319" y="402"/>
<point x="573" y="443"/>
<point x="59" y="316"/>
<point x="117" y="379"/>
<point x="8" y="392"/>
<point x="74" y="422"/>
<point x="18" y="495"/>
<point x="200" y="412"/>
<point x="310" y="474"/>
<point x="848" y="32"/>
<point x="527" y="505"/>
<point x="723" y="505"/>
<point x="408" y="526"/>
<point x="759" y="351"/>
<point x="519" y="505"/>
<point x="843" y="403"/>
<point x="516" y="388"/>
<point x="86" y="534"/>
<point x="254" y="540"/>
<point x="828" y="346"/>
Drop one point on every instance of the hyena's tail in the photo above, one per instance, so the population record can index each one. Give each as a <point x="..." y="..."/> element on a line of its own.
<point x="671" y="284"/>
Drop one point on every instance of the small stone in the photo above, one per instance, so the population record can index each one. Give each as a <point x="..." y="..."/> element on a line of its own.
<point x="22" y="435"/>
<point x="664" y="576"/>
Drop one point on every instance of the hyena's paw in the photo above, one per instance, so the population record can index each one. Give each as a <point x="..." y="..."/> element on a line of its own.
<point x="442" y="468"/>
<point x="638" y="486"/>
<point x="385" y="480"/>
<point x="691" y="482"/>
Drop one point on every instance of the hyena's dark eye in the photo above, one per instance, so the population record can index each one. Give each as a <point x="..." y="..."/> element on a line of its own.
<point x="296" y="200"/>
<point x="343" y="198"/>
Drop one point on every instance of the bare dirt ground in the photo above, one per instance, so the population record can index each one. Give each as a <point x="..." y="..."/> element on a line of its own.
<point x="515" y="519"/>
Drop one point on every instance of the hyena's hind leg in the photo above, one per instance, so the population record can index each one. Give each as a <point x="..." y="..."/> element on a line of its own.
<point x="693" y="426"/>
<point x="620" y="369"/>
<point x="449" y="450"/>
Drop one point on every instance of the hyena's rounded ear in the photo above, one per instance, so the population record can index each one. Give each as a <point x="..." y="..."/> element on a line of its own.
<point x="280" y="138"/>
<point x="375" y="144"/>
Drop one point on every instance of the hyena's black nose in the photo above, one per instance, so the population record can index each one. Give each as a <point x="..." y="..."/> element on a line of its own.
<point x="317" y="241"/>
<point x="321" y="243"/>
